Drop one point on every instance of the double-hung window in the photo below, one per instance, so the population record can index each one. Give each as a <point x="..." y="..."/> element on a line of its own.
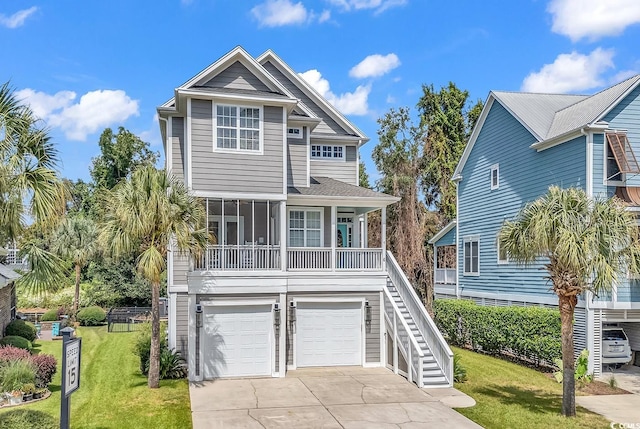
<point x="305" y="228"/>
<point x="495" y="176"/>
<point x="238" y="128"/>
<point x="327" y="152"/>
<point x="472" y="256"/>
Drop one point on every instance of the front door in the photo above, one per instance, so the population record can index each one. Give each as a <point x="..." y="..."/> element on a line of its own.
<point x="345" y="235"/>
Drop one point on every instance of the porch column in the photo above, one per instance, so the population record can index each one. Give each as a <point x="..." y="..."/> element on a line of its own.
<point x="383" y="237"/>
<point x="283" y="235"/>
<point x="365" y="232"/>
<point x="334" y="233"/>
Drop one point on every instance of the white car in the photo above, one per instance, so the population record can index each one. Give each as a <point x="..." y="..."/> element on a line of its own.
<point x="615" y="346"/>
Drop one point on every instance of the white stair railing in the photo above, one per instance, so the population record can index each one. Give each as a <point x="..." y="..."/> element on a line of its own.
<point x="405" y="341"/>
<point x="439" y="348"/>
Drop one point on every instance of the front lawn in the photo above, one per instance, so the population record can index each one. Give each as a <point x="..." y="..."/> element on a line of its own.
<point x="513" y="396"/>
<point x="112" y="392"/>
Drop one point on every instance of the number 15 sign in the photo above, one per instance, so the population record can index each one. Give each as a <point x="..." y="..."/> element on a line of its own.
<point x="71" y="366"/>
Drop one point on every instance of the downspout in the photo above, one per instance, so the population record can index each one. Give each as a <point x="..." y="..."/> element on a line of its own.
<point x="166" y="138"/>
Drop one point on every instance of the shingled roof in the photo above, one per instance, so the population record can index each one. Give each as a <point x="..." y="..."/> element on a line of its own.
<point x="327" y="187"/>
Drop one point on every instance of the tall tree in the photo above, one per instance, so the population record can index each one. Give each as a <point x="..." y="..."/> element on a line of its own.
<point x="76" y="240"/>
<point x="363" y="177"/>
<point x="400" y="159"/>
<point x="120" y="154"/>
<point x="448" y="120"/>
<point x="32" y="196"/>
<point x="146" y="213"/>
<point x="587" y="243"/>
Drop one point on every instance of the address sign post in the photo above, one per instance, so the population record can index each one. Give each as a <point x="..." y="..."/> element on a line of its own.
<point x="71" y="352"/>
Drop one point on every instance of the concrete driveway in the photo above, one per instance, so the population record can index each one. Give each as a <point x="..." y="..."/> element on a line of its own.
<point x="617" y="408"/>
<point x="337" y="397"/>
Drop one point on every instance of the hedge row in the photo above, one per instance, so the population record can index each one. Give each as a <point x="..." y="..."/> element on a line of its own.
<point x="530" y="333"/>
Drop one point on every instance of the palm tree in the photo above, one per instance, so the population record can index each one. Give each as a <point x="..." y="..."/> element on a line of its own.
<point x="586" y="243"/>
<point x="32" y="196"/>
<point x="76" y="239"/>
<point x="146" y="213"/>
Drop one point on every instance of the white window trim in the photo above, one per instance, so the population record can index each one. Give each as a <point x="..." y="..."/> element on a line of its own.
<point x="500" y="261"/>
<point x="238" y="150"/>
<point x="605" y="162"/>
<point x="496" y="168"/>
<point x="323" y="158"/>
<point x="299" y="135"/>
<point x="465" y="240"/>
<point x="305" y="209"/>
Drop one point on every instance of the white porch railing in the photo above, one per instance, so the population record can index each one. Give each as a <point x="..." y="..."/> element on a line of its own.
<point x="309" y="258"/>
<point x="446" y="276"/>
<point x="349" y="258"/>
<point x="405" y="341"/>
<point x="239" y="258"/>
<point x="438" y="346"/>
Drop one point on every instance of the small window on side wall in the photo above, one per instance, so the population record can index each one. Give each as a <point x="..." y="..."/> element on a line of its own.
<point x="471" y="256"/>
<point x="503" y="256"/>
<point x="495" y="176"/>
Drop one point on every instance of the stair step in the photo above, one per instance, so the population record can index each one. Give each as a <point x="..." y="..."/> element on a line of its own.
<point x="435" y="380"/>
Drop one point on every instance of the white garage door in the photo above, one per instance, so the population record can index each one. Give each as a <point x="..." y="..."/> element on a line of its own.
<point x="237" y="341"/>
<point x="328" y="334"/>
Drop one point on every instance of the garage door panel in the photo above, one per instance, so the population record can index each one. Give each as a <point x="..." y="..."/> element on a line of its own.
<point x="237" y="341"/>
<point x="329" y="334"/>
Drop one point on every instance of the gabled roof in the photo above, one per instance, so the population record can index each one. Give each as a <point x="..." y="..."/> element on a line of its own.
<point x="443" y="232"/>
<point x="269" y="55"/>
<point x="552" y="118"/>
<point x="7" y="275"/>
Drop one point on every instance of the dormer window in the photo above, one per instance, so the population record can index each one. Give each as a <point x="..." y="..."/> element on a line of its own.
<point x="327" y="152"/>
<point x="238" y="128"/>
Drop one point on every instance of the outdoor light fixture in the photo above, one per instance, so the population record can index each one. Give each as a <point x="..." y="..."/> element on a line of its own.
<point x="276" y="316"/>
<point x="292" y="312"/>
<point x="367" y="312"/>
<point x="198" y="316"/>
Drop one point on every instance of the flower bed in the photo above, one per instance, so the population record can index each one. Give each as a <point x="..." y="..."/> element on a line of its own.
<point x="24" y="377"/>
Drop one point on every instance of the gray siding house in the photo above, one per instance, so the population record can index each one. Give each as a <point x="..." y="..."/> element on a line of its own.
<point x="522" y="144"/>
<point x="287" y="280"/>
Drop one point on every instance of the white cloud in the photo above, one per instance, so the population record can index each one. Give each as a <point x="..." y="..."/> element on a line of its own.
<point x="349" y="103"/>
<point x="571" y="72"/>
<point x="152" y="135"/>
<point x="593" y="19"/>
<point x="379" y="5"/>
<point x="17" y="19"/>
<point x="324" y="16"/>
<point x="391" y="99"/>
<point x="374" y="66"/>
<point x="277" y="13"/>
<point x="95" y="110"/>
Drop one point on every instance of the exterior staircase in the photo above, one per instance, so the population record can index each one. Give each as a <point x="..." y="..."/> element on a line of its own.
<point x="419" y="351"/>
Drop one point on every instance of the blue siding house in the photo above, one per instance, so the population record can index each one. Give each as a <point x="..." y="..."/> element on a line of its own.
<point x="522" y="144"/>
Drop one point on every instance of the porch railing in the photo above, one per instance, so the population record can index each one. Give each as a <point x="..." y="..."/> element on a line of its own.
<point x="446" y="276"/>
<point x="309" y="258"/>
<point x="348" y="258"/>
<point x="239" y="258"/>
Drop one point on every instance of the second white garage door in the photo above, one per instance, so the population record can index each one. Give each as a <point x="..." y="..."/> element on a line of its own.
<point x="328" y="334"/>
<point x="238" y="341"/>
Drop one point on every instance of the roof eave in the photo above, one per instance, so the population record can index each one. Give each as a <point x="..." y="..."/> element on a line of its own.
<point x="340" y="200"/>
<point x="562" y="138"/>
<point x="443" y="232"/>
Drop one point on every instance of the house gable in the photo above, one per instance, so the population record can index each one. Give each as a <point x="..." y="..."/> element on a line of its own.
<point x="237" y="76"/>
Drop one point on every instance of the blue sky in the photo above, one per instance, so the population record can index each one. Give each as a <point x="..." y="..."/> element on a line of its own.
<point x="84" y="66"/>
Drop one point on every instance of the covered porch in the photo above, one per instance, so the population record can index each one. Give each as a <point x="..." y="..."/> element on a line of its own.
<point x="319" y="228"/>
<point x="444" y="261"/>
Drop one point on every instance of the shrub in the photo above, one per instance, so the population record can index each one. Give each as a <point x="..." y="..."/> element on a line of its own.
<point x="10" y="353"/>
<point x="581" y="366"/>
<point x="459" y="371"/>
<point x="91" y="316"/>
<point x="27" y="419"/>
<point x="50" y="315"/>
<point x="46" y="366"/>
<point x="15" y="374"/>
<point x="16" y="341"/>
<point x="22" y="329"/>
<point x="172" y="365"/>
<point x="528" y="333"/>
<point x="142" y="345"/>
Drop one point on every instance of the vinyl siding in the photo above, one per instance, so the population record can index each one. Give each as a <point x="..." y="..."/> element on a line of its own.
<point x="524" y="175"/>
<point x="297" y="160"/>
<point x="177" y="147"/>
<point x="328" y="125"/>
<point x="345" y="171"/>
<point x="448" y="239"/>
<point x="626" y="116"/>
<point x="228" y="172"/>
<point x="182" y="324"/>
<point x="180" y="268"/>
<point x="237" y="76"/>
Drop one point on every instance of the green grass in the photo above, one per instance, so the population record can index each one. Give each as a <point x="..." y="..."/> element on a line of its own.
<point x="113" y="393"/>
<point x="513" y="396"/>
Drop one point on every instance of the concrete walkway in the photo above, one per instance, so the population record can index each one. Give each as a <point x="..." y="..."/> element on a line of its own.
<point x="337" y="397"/>
<point x="617" y="408"/>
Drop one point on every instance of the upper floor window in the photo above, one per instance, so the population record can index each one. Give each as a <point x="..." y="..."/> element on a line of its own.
<point x="238" y="128"/>
<point x="472" y="256"/>
<point x="327" y="152"/>
<point x="495" y="176"/>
